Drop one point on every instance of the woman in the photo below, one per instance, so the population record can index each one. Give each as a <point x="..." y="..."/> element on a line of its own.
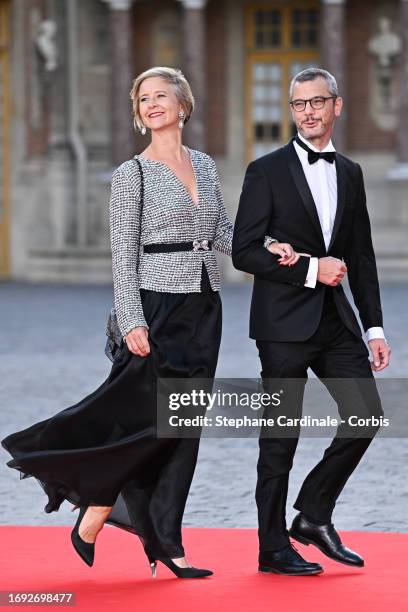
<point x="103" y="453"/>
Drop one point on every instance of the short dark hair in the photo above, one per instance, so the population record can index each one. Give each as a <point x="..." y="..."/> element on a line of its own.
<point x="310" y="74"/>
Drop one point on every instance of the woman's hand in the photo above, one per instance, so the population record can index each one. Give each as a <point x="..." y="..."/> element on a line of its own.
<point x="288" y="257"/>
<point x="137" y="341"/>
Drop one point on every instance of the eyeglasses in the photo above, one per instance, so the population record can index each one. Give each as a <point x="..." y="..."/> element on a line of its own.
<point x="317" y="103"/>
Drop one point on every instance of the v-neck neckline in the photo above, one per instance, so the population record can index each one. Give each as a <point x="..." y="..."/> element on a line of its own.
<point x="189" y="151"/>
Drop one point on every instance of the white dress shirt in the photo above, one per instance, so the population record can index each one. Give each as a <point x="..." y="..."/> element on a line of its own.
<point x="322" y="180"/>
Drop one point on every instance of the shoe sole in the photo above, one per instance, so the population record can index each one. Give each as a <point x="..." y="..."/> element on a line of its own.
<point x="306" y="542"/>
<point x="195" y="577"/>
<point x="263" y="569"/>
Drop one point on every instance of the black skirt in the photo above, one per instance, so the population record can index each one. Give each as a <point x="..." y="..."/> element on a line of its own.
<point x="104" y="450"/>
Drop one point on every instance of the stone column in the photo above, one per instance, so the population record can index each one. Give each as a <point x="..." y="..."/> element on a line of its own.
<point x="122" y="136"/>
<point x="194" y="68"/>
<point x="400" y="171"/>
<point x="333" y="53"/>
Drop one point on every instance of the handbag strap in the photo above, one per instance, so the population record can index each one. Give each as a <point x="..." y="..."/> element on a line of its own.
<point x="141" y="206"/>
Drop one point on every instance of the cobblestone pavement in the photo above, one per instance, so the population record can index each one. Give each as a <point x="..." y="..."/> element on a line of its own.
<point x="52" y="355"/>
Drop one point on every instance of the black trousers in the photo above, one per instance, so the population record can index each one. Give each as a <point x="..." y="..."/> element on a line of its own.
<point x="332" y="353"/>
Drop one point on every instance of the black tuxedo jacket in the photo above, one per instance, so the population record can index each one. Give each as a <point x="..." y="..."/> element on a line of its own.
<point x="276" y="200"/>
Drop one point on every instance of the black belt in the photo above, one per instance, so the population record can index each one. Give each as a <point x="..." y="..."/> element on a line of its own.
<point x="172" y="247"/>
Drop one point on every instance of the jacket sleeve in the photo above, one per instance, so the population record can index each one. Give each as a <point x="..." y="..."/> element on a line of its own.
<point x="225" y="229"/>
<point x="223" y="232"/>
<point x="361" y="265"/>
<point x="124" y="211"/>
<point x="254" y="214"/>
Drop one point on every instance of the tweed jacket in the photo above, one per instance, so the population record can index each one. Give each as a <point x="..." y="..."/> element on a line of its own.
<point x="169" y="215"/>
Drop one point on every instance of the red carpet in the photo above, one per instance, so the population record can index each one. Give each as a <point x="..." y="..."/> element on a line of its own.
<point x="42" y="559"/>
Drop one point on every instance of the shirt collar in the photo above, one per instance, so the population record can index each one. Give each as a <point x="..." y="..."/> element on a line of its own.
<point x="328" y="147"/>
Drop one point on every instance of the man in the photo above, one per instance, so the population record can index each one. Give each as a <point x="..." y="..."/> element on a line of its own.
<point x="307" y="194"/>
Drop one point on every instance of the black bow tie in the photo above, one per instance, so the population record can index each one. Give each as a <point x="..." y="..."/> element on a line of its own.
<point x="313" y="156"/>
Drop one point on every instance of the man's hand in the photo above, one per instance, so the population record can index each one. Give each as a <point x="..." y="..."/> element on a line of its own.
<point x="331" y="271"/>
<point x="380" y="352"/>
<point x="137" y="341"/>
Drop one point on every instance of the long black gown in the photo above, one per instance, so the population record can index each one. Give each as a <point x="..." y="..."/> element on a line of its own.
<point x="104" y="450"/>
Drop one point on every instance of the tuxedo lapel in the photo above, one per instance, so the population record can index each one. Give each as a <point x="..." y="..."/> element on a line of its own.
<point x="341" y="197"/>
<point x="303" y="188"/>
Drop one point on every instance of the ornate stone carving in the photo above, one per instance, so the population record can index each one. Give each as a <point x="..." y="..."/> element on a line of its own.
<point x="46" y="44"/>
<point x="385" y="46"/>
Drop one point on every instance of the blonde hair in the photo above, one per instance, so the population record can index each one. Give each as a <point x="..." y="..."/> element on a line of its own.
<point x="173" y="76"/>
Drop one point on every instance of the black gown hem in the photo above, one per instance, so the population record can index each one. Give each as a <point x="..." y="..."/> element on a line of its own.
<point x="144" y="478"/>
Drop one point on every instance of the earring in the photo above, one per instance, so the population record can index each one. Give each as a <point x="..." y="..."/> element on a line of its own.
<point x="181" y="122"/>
<point x="136" y="127"/>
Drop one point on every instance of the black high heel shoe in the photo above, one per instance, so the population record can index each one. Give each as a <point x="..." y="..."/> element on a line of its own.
<point x="84" y="549"/>
<point x="180" y="572"/>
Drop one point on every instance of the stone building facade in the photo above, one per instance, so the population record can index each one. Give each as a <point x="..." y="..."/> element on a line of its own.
<point x="66" y="68"/>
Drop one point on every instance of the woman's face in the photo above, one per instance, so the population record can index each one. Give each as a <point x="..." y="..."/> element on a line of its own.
<point x="158" y="104"/>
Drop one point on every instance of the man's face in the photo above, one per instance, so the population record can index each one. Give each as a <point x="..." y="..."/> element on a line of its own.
<point x="315" y="123"/>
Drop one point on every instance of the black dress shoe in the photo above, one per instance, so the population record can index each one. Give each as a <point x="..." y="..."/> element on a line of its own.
<point x="326" y="538"/>
<point x="286" y="561"/>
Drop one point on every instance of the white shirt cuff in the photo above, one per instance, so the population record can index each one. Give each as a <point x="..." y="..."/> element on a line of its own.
<point x="311" y="277"/>
<point x="375" y="332"/>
